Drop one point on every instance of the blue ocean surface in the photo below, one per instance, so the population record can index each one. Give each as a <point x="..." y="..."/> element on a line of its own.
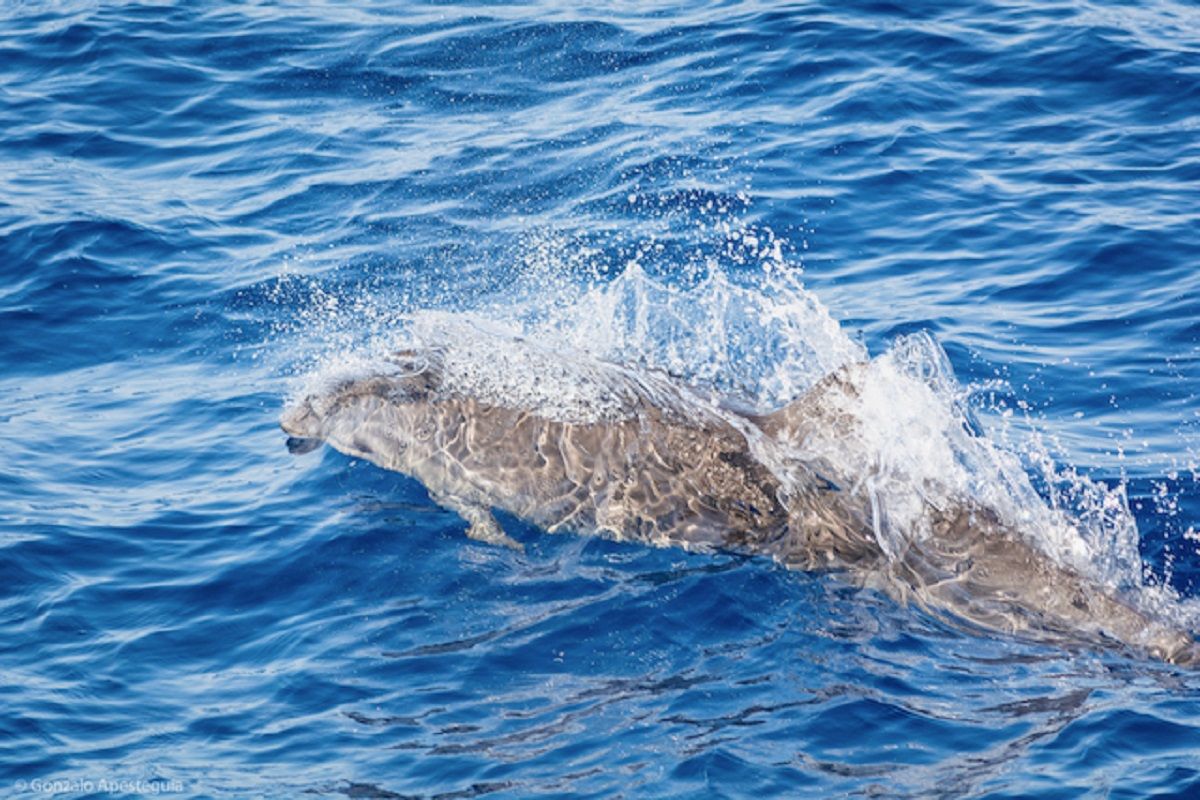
<point x="205" y="207"/>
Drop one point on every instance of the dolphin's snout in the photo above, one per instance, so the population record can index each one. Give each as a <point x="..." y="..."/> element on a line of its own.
<point x="303" y="427"/>
<point x="298" y="446"/>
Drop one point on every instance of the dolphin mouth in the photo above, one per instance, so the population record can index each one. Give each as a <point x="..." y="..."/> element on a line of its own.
<point x="299" y="445"/>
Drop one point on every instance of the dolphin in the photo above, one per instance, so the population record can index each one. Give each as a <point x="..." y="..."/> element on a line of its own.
<point x="664" y="465"/>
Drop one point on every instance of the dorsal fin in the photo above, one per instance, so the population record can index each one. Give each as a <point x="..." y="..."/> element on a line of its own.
<point x="820" y="404"/>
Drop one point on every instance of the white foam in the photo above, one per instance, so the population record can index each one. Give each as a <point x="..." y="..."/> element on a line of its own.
<point x="503" y="365"/>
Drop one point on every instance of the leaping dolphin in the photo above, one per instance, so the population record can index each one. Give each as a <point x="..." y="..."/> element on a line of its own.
<point x="662" y="465"/>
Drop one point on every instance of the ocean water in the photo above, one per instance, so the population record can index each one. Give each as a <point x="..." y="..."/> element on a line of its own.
<point x="206" y="207"/>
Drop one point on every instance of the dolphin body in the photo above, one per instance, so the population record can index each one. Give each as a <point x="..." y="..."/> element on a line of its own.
<point x="664" y="466"/>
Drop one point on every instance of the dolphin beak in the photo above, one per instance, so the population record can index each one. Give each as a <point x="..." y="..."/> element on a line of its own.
<point x="303" y="427"/>
<point x="299" y="445"/>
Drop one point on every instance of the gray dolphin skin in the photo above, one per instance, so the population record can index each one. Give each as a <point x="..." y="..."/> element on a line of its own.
<point x="669" y="468"/>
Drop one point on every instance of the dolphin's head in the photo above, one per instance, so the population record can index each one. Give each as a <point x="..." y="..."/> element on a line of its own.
<point x="302" y="424"/>
<point x="370" y="415"/>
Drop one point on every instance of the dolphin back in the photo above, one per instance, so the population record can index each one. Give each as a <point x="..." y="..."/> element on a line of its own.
<point x="661" y="466"/>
